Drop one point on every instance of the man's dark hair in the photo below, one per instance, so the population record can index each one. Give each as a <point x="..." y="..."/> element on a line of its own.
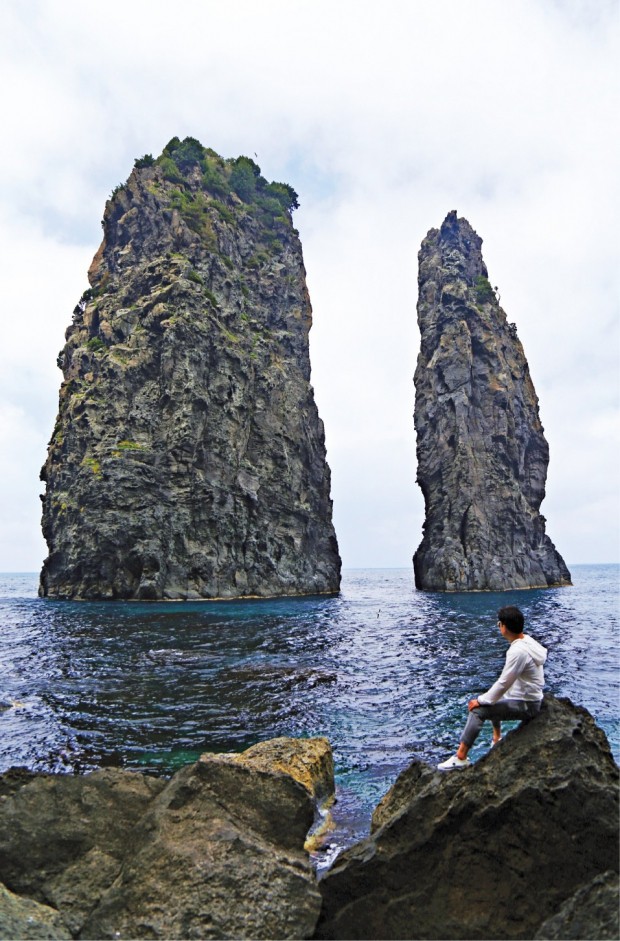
<point x="512" y="618"/>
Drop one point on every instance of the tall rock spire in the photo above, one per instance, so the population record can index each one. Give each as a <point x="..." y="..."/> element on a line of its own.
<point x="188" y="457"/>
<point x="482" y="454"/>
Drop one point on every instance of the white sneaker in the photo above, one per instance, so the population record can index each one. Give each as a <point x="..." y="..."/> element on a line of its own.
<point x="453" y="763"/>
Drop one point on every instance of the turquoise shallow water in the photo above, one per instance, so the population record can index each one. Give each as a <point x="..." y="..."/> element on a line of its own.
<point x="384" y="671"/>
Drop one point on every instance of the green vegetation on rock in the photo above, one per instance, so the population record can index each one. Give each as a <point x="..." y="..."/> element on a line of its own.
<point x="484" y="290"/>
<point x="270" y="203"/>
<point x="146" y="161"/>
<point x="130" y="446"/>
<point x="93" y="464"/>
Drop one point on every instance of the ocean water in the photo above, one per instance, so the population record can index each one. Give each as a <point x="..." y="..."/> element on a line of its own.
<point x="382" y="670"/>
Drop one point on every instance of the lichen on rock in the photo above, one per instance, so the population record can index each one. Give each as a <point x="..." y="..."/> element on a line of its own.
<point x="25" y="919"/>
<point x="188" y="458"/>
<point x="309" y="761"/>
<point x="482" y="454"/>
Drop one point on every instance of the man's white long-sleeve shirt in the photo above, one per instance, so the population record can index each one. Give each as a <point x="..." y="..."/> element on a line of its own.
<point x="523" y="676"/>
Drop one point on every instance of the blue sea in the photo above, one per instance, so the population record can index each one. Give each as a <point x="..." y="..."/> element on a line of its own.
<point x="382" y="670"/>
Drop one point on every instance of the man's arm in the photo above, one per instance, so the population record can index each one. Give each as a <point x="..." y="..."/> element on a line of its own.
<point x="516" y="661"/>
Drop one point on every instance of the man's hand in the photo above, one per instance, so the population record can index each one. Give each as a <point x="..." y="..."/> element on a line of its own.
<point x="473" y="704"/>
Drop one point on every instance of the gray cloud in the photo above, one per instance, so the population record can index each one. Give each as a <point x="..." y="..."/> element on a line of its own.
<point x="383" y="116"/>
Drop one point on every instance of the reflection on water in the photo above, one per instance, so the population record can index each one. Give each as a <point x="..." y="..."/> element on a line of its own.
<point x="383" y="671"/>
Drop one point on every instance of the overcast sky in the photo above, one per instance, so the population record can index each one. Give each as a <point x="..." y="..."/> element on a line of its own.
<point x="383" y="116"/>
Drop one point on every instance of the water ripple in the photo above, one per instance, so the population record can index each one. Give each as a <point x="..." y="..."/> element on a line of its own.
<point x="382" y="670"/>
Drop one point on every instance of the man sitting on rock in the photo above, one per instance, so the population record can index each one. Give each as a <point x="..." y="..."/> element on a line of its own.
<point x="517" y="694"/>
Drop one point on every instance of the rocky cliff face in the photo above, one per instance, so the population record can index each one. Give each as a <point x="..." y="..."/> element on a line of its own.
<point x="482" y="453"/>
<point x="188" y="457"/>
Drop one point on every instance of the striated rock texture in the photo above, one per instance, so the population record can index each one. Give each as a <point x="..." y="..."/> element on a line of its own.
<point x="482" y="454"/>
<point x="492" y="851"/>
<point x="188" y="457"/>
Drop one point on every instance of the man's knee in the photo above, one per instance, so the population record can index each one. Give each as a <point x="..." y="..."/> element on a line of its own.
<point x="482" y="712"/>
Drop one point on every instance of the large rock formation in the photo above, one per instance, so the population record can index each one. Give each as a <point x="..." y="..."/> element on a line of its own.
<point x="188" y="457"/>
<point x="215" y="852"/>
<point x="482" y="453"/>
<point x="489" y="852"/>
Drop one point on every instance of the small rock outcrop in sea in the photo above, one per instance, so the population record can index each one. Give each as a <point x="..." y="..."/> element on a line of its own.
<point x="482" y="454"/>
<point x="188" y="457"/>
<point x="215" y="852"/>
<point x="489" y="852"/>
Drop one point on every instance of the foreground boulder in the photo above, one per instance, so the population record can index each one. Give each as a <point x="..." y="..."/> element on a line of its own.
<point x="488" y="852"/>
<point x="219" y="854"/>
<point x="63" y="838"/>
<point x="309" y="761"/>
<point x="215" y="852"/>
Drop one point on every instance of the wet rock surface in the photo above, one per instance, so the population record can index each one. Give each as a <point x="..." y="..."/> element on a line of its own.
<point x="488" y="852"/>
<point x="188" y="458"/>
<point x="482" y="454"/>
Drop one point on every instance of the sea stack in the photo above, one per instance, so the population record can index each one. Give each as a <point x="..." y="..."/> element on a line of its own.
<point x="482" y="454"/>
<point x="188" y="458"/>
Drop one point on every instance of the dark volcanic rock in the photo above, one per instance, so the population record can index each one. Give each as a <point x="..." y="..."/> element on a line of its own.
<point x="489" y="852"/>
<point x="63" y="837"/>
<point x="188" y="457"/>
<point x="216" y="852"/>
<point x="482" y="454"/>
<point x="592" y="912"/>
<point x="218" y="855"/>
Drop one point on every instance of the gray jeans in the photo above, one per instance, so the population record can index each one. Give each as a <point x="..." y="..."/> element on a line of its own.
<point x="509" y="709"/>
